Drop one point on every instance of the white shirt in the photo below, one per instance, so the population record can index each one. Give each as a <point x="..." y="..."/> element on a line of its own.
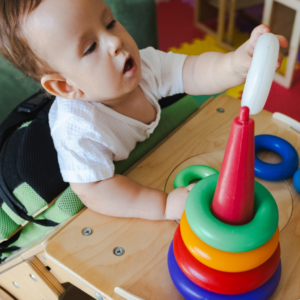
<point x="89" y="136"/>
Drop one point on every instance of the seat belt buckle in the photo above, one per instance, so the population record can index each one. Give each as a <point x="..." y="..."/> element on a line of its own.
<point x="34" y="103"/>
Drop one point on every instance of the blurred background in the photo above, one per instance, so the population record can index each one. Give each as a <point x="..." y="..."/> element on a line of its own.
<point x="197" y="26"/>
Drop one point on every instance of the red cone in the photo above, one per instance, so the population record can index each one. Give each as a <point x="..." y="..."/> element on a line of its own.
<point x="233" y="202"/>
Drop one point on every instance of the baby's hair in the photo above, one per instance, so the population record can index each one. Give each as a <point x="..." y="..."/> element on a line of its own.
<point x="14" y="46"/>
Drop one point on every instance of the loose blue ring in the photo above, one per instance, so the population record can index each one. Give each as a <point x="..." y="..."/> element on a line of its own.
<point x="282" y="170"/>
<point x="296" y="180"/>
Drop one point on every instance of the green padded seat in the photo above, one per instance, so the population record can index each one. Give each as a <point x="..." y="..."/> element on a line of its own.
<point x="139" y="19"/>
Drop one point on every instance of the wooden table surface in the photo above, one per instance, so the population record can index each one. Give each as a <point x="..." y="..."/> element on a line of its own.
<point x="142" y="269"/>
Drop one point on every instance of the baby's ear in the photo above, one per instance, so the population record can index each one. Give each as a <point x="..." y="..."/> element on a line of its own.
<point x="57" y="85"/>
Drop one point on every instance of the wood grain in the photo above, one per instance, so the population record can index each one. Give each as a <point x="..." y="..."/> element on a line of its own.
<point x="142" y="270"/>
<point x="5" y="296"/>
<point x="45" y="287"/>
<point x="63" y="275"/>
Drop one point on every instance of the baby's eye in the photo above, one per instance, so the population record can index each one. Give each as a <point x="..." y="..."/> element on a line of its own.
<point x="91" y="49"/>
<point x="111" y="24"/>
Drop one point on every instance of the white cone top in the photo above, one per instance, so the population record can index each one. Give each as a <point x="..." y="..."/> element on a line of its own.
<point x="261" y="73"/>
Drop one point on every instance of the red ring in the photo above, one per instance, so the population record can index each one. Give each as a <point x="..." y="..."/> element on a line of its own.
<point x="218" y="281"/>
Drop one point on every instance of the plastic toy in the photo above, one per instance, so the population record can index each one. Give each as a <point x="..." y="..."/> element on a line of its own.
<point x="282" y="170"/>
<point x="261" y="73"/>
<point x="191" y="291"/>
<point x="222" y="282"/>
<point x="191" y="173"/>
<point x="222" y="260"/>
<point x="296" y="180"/>
<point x="208" y="242"/>
<point x="228" y="237"/>
<point x="233" y="200"/>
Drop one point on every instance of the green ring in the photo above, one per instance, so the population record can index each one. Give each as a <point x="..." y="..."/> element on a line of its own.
<point x="231" y="238"/>
<point x="188" y="174"/>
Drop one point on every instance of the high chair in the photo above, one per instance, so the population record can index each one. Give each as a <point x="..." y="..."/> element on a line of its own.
<point x="24" y="272"/>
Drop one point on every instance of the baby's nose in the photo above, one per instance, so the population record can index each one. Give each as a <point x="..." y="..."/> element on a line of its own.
<point x="115" y="45"/>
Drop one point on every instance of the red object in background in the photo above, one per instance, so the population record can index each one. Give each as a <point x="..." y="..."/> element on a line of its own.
<point x="176" y="26"/>
<point x="233" y="202"/>
<point x="218" y="281"/>
<point x="175" y="21"/>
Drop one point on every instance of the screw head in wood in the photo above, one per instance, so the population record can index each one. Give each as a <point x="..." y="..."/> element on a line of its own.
<point x="118" y="251"/>
<point x="33" y="277"/>
<point x="98" y="296"/>
<point x="87" y="231"/>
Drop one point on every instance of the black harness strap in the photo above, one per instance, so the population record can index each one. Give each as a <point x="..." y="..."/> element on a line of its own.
<point x="26" y="111"/>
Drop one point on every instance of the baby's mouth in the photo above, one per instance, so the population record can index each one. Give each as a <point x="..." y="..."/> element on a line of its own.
<point x="128" y="64"/>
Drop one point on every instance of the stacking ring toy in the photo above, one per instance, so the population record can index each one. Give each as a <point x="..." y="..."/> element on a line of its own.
<point x="296" y="180"/>
<point x="231" y="238"/>
<point x="226" y="261"/>
<point x="282" y="170"/>
<point x="196" y="172"/>
<point x="191" y="291"/>
<point x="261" y="73"/>
<point x="222" y="282"/>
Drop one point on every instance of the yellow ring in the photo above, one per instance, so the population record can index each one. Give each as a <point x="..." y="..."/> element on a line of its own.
<point x="226" y="261"/>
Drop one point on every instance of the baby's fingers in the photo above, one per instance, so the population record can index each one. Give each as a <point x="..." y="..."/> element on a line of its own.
<point x="190" y="186"/>
<point x="256" y="33"/>
<point x="279" y="61"/>
<point x="283" y="42"/>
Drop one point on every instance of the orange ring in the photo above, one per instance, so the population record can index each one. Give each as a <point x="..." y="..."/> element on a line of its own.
<point x="226" y="261"/>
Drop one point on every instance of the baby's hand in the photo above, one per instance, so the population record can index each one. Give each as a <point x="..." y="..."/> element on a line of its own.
<point x="176" y="202"/>
<point x="242" y="57"/>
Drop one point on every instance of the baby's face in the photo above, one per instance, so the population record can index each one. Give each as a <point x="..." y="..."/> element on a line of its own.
<point x="82" y="41"/>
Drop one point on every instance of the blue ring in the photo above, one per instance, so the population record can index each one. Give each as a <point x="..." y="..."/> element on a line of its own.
<point x="296" y="180"/>
<point x="282" y="170"/>
<point x="191" y="291"/>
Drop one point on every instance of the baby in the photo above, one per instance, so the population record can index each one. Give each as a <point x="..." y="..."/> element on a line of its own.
<point x="107" y="93"/>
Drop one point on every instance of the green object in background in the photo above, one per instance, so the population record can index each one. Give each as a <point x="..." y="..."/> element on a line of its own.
<point x="139" y="19"/>
<point x="202" y="98"/>
<point x="14" y="87"/>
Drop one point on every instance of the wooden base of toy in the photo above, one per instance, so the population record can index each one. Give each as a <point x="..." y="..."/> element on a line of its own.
<point x="31" y="280"/>
<point x="89" y="262"/>
<point x="4" y="295"/>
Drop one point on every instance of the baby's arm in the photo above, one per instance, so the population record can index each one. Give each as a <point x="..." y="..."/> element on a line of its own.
<point x="120" y="196"/>
<point x="214" y="72"/>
